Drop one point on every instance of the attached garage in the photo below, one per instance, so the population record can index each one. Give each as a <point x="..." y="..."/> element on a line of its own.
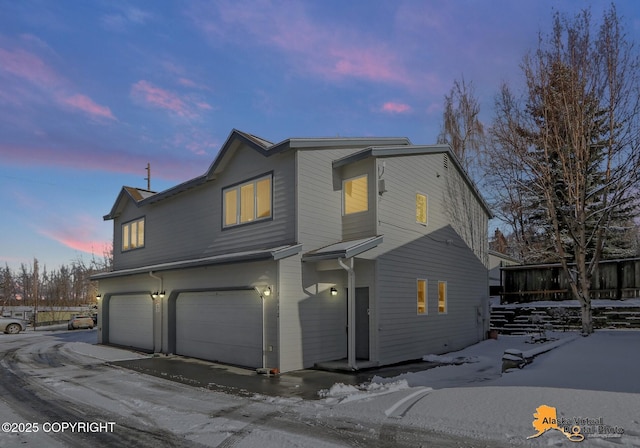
<point x="223" y="326"/>
<point x="131" y="321"/>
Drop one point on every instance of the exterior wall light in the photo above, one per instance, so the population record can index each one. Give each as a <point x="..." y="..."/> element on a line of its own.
<point x="334" y="292"/>
<point x="99" y="296"/>
<point x="267" y="291"/>
<point x="161" y="295"/>
<point x="154" y="295"/>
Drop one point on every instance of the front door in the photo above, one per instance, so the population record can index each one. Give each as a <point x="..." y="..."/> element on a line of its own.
<point x="362" y="323"/>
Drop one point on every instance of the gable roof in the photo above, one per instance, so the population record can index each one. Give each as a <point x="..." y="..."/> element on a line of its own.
<point x="127" y="193"/>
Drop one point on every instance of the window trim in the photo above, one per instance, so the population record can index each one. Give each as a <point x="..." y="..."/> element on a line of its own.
<point x="127" y="225"/>
<point x="344" y="193"/>
<point x="446" y="297"/>
<point x="426" y="212"/>
<point x="426" y="297"/>
<point x="237" y="187"/>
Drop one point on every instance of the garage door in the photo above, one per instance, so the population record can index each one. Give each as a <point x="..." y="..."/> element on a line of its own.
<point x="220" y="326"/>
<point x="131" y="321"/>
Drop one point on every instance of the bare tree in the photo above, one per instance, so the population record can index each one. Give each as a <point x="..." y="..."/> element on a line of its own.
<point x="576" y="139"/>
<point x="464" y="133"/>
<point x="462" y="129"/>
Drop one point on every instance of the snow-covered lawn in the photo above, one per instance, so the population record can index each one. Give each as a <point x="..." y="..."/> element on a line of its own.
<point x="597" y="377"/>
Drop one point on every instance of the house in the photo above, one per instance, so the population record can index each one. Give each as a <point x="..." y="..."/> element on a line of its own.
<point x="369" y="251"/>
<point x="497" y="261"/>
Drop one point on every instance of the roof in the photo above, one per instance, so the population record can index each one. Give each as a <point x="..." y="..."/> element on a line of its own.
<point x="235" y="140"/>
<point x="135" y="194"/>
<point x="274" y="253"/>
<point x="343" y="249"/>
<point x="413" y="150"/>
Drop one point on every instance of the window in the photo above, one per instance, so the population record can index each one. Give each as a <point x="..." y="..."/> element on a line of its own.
<point x="442" y="297"/>
<point x="422" y="296"/>
<point x="356" y="196"/>
<point x="247" y="202"/>
<point x="421" y="208"/>
<point x="133" y="234"/>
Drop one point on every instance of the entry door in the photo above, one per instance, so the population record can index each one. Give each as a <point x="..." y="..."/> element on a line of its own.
<point x="362" y="323"/>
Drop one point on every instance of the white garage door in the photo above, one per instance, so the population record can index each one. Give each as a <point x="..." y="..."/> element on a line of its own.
<point x="220" y="326"/>
<point x="131" y="321"/>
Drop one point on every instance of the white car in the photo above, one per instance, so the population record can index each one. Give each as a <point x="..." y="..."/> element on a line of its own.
<point x="80" y="322"/>
<point x="11" y="325"/>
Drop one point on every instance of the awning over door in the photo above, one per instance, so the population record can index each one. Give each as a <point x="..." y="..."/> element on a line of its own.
<point x="343" y="249"/>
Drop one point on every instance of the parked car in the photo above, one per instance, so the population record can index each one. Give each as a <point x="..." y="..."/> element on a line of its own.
<point x="11" y="325"/>
<point x="80" y="322"/>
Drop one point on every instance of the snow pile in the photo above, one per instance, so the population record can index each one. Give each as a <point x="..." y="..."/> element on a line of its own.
<point x="342" y="393"/>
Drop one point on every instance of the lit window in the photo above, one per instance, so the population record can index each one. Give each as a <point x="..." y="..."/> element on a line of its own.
<point x="133" y="234"/>
<point x="356" y="198"/>
<point x="247" y="202"/>
<point x="421" y="208"/>
<point x="422" y="296"/>
<point x="442" y="297"/>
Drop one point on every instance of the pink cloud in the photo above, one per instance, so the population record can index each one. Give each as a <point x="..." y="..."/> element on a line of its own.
<point x="86" y="104"/>
<point x="319" y="48"/>
<point x="82" y="233"/>
<point x="28" y="67"/>
<point x="186" y="82"/>
<point x="162" y="99"/>
<point x="170" y="167"/>
<point x="395" y="108"/>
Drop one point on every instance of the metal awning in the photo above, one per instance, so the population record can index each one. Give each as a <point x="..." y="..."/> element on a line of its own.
<point x="274" y="253"/>
<point x="343" y="249"/>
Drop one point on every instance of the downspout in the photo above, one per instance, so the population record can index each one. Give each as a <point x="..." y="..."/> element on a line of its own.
<point x="161" y="292"/>
<point x="351" y="312"/>
<point x="264" y="331"/>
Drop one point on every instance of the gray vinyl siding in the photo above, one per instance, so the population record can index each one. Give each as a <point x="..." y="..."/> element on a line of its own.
<point x="312" y="322"/>
<point x="320" y="198"/>
<point x="406" y="335"/>
<point x="189" y="225"/>
<point x="436" y="252"/>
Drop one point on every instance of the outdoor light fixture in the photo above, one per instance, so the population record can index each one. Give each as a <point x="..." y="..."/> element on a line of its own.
<point x="161" y="294"/>
<point x="334" y="292"/>
<point x="155" y="294"/>
<point x="98" y="297"/>
<point x="267" y="291"/>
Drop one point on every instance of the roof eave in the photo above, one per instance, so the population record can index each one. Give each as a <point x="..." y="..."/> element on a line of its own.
<point x="275" y="254"/>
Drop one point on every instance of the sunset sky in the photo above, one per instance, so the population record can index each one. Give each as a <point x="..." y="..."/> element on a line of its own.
<point x="92" y="91"/>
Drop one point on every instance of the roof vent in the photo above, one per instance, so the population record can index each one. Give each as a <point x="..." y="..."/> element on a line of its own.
<point x="445" y="161"/>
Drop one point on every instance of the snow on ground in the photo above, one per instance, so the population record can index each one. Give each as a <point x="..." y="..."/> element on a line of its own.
<point x="597" y="377"/>
<point x="600" y="303"/>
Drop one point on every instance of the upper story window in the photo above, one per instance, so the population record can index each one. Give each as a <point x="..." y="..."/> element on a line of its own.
<point x="422" y="208"/>
<point x="247" y="202"/>
<point x="133" y="234"/>
<point x="355" y="195"/>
